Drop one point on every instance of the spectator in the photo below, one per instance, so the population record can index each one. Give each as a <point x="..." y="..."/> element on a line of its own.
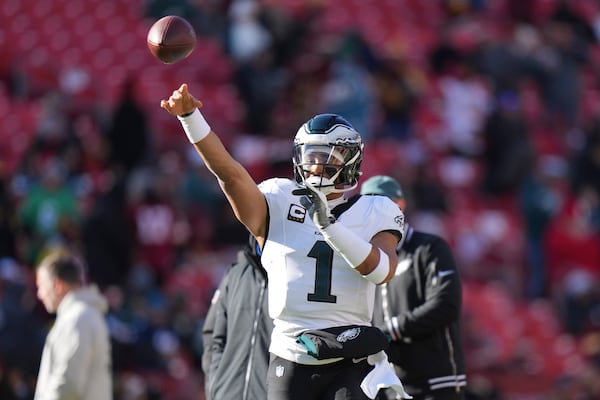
<point x="49" y="211"/>
<point x="428" y="194"/>
<point x="247" y="37"/>
<point x="420" y="309"/>
<point x="565" y="53"/>
<point x="257" y="78"/>
<point x="466" y="103"/>
<point x="398" y="87"/>
<point x="540" y="198"/>
<point x="154" y="219"/>
<point x="54" y="140"/>
<point x="76" y="361"/>
<point x="587" y="159"/>
<point x="8" y="221"/>
<point x="349" y="89"/>
<point x="128" y="137"/>
<point x="572" y="250"/>
<point x="507" y="153"/>
<point x="235" y="366"/>
<point x="106" y="237"/>
<point x="260" y="83"/>
<point x="22" y="332"/>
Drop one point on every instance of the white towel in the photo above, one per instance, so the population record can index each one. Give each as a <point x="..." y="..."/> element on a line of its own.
<point x="382" y="376"/>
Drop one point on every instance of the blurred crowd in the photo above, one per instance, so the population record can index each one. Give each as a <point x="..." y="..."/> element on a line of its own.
<point x="486" y="111"/>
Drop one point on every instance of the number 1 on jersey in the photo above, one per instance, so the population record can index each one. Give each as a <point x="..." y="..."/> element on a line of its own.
<point x="324" y="256"/>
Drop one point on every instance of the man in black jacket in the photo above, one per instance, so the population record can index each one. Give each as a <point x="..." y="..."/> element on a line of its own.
<point x="420" y="309"/>
<point x="237" y="332"/>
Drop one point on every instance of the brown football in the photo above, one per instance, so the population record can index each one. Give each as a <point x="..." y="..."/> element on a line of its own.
<point x="171" y="39"/>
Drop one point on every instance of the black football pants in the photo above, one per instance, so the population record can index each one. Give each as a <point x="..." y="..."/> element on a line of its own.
<point x="287" y="380"/>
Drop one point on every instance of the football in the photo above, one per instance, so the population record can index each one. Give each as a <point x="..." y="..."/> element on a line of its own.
<point x="171" y="39"/>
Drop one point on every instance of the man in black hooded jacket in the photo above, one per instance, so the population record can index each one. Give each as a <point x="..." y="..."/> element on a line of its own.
<point x="420" y="309"/>
<point x="237" y="332"/>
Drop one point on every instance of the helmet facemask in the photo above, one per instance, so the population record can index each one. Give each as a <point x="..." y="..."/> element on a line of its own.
<point x="330" y="169"/>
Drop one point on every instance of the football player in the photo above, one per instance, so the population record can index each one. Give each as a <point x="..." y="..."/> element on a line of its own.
<point x="324" y="252"/>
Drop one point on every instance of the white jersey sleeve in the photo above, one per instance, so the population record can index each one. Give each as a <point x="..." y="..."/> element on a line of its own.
<point x="310" y="285"/>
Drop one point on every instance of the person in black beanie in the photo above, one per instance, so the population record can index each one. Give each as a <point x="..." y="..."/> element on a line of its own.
<point x="420" y="309"/>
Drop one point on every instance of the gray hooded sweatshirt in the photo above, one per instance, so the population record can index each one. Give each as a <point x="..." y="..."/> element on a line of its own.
<point x="76" y="361"/>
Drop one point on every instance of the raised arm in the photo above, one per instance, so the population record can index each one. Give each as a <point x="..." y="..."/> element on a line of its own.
<point x="245" y="198"/>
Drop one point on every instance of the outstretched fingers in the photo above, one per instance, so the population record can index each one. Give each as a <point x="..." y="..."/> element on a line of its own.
<point x="183" y="89"/>
<point x="181" y="101"/>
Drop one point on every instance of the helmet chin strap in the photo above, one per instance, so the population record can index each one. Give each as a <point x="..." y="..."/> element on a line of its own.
<point x="326" y="185"/>
<point x="321" y="183"/>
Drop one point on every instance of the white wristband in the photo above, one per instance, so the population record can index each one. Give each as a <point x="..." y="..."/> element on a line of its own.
<point x="353" y="248"/>
<point x="381" y="271"/>
<point x="195" y="126"/>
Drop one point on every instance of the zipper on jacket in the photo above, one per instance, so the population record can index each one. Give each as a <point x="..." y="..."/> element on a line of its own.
<point x="253" y="342"/>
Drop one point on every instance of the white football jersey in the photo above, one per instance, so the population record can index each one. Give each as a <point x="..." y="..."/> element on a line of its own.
<point x="310" y="285"/>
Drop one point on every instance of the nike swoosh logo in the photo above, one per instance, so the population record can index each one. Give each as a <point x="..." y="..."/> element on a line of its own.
<point x="357" y="360"/>
<point x="447" y="272"/>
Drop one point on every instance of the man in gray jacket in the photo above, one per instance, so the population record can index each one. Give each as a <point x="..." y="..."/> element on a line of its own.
<point x="76" y="363"/>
